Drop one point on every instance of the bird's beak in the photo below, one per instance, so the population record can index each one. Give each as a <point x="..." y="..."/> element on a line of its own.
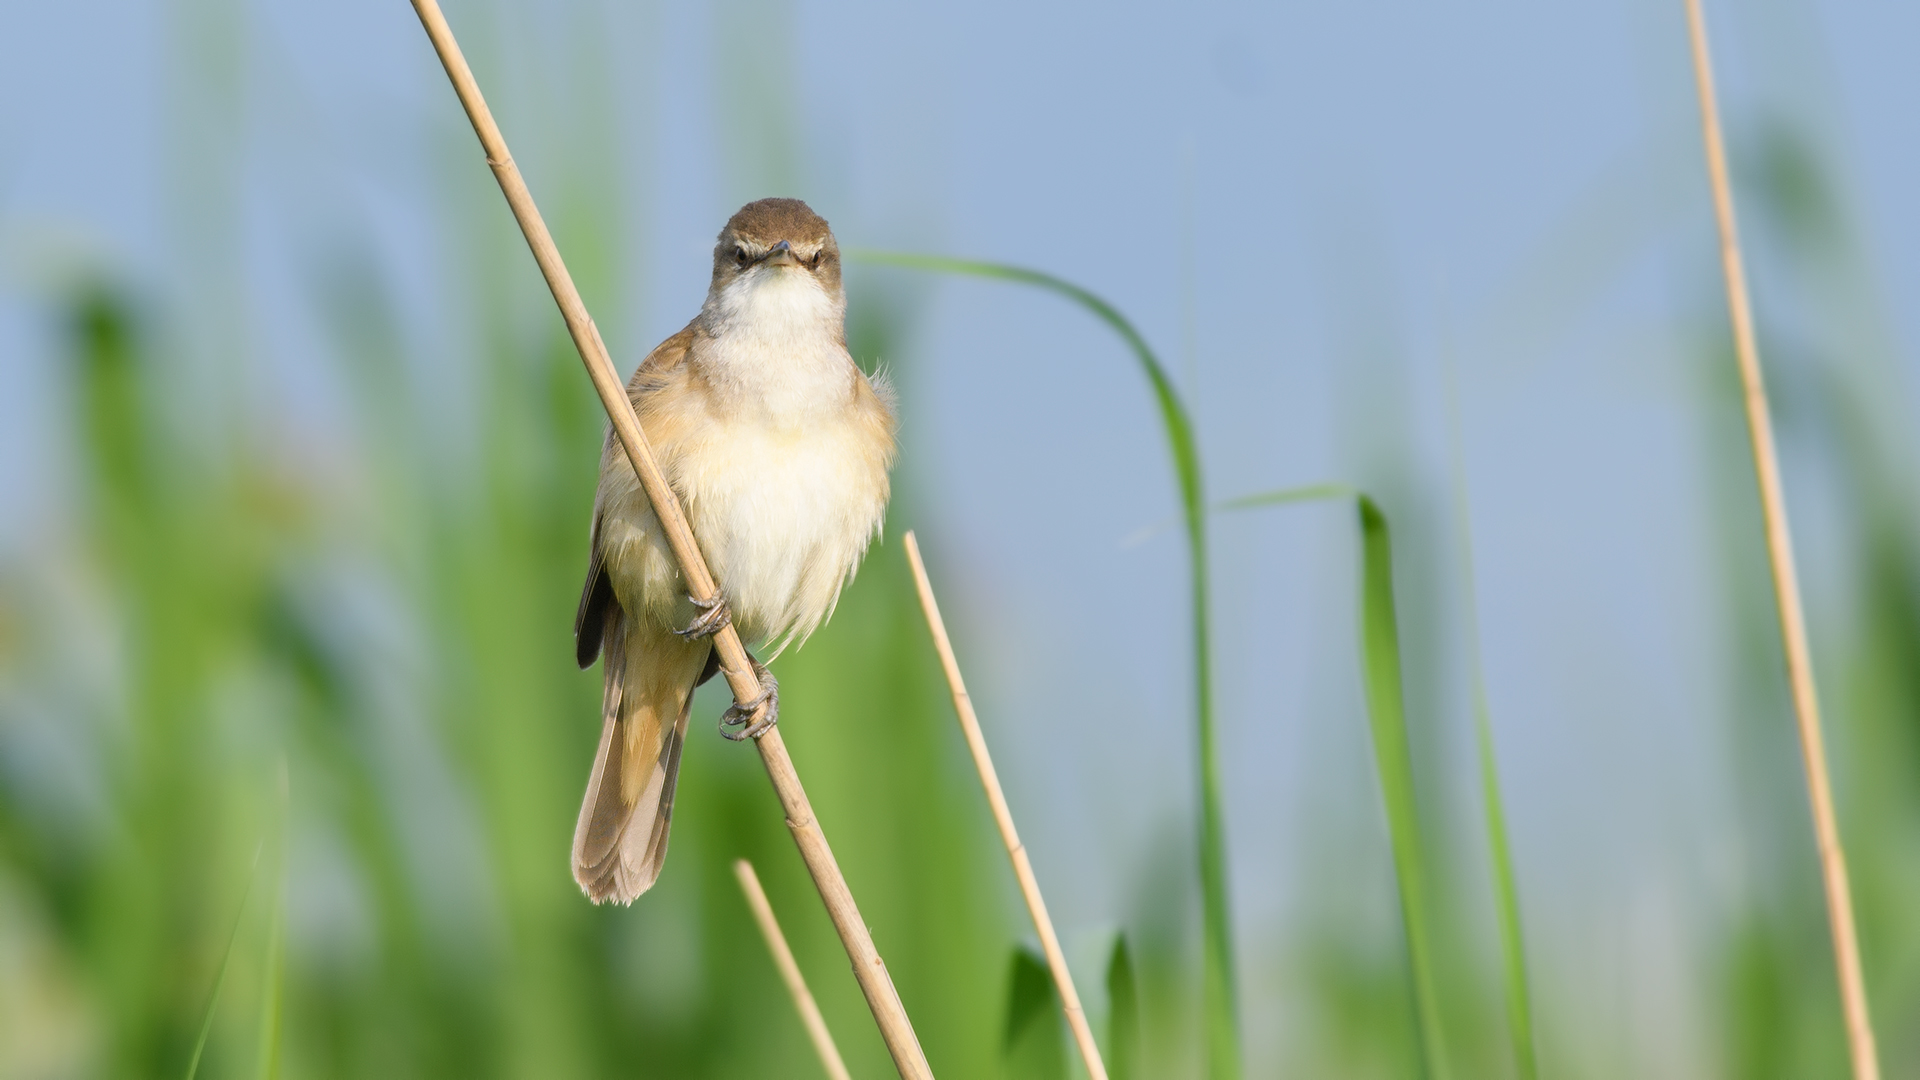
<point x="781" y="254"/>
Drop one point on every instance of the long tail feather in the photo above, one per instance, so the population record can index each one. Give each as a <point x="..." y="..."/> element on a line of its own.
<point x="620" y="842"/>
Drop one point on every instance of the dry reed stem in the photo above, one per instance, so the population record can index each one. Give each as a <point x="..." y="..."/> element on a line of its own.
<point x="790" y="971"/>
<point x="1793" y="628"/>
<point x="1003" y="816"/>
<point x="868" y="969"/>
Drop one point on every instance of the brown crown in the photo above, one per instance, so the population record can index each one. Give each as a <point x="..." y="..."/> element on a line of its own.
<point x="770" y="221"/>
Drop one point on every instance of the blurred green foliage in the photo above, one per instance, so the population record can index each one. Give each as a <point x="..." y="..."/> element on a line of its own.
<point x="222" y="592"/>
<point x="1123" y="1014"/>
<point x="1036" y="1040"/>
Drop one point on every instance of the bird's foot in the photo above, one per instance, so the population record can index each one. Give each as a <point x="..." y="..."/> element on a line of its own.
<point x="713" y="618"/>
<point x="740" y="713"/>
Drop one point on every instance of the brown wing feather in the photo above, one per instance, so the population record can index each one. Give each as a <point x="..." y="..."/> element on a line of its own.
<point x="596" y="601"/>
<point x="596" y="595"/>
<point x="665" y="356"/>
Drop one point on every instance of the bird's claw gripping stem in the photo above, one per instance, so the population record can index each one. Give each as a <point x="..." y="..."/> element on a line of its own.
<point x="740" y="713"/>
<point x="713" y="618"/>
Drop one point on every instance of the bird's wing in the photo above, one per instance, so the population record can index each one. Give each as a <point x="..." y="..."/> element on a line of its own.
<point x="596" y="598"/>
<point x="664" y="358"/>
<point x="596" y="595"/>
<point x="620" y="842"/>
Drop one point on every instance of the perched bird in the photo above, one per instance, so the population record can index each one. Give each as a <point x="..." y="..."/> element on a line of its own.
<point x="778" y="446"/>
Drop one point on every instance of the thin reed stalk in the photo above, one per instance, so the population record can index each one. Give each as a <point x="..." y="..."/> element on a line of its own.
<point x="1003" y="817"/>
<point x="871" y="972"/>
<point x="1219" y="990"/>
<point x="790" y="971"/>
<point x="1786" y="582"/>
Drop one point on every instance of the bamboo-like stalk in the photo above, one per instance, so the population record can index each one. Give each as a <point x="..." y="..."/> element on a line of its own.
<point x="790" y="971"/>
<point x="1786" y="582"/>
<point x="868" y="969"/>
<point x="1003" y="817"/>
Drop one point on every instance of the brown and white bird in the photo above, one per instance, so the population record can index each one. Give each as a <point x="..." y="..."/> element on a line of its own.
<point x="778" y="446"/>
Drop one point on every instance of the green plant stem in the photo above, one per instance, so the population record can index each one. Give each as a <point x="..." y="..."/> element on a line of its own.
<point x="1393" y="759"/>
<point x="1221" y="1008"/>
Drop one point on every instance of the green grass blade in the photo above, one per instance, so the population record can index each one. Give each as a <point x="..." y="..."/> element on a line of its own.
<point x="1123" y="1014"/>
<point x="1386" y="706"/>
<point x="273" y="980"/>
<point x="1506" y="894"/>
<point x="220" y="979"/>
<point x="274" y="983"/>
<point x="1036" y="1047"/>
<point x="1309" y="493"/>
<point x="1506" y="897"/>
<point x="1393" y="759"/>
<point x="1221" y="1007"/>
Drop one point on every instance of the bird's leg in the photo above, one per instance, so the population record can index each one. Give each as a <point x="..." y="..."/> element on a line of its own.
<point x="714" y="617"/>
<point x="740" y="713"/>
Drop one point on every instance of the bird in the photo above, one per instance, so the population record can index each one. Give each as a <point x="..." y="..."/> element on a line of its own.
<point x="779" y="447"/>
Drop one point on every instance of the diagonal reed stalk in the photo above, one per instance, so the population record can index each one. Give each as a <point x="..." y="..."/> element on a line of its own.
<point x="1392" y="755"/>
<point x="1003" y="817"/>
<point x="1786" y="582"/>
<point x="1221" y="1011"/>
<point x="884" y="1001"/>
<point x="790" y="971"/>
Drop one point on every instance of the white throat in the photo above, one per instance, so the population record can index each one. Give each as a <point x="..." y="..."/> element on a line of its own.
<point x="777" y="344"/>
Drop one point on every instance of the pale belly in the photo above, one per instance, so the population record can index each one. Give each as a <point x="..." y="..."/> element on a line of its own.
<point x="782" y="518"/>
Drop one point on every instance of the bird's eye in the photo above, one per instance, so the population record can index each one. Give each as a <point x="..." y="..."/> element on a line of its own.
<point x="740" y="255"/>
<point x="817" y="256"/>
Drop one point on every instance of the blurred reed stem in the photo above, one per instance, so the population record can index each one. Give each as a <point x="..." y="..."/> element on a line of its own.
<point x="790" y="971"/>
<point x="871" y="972"/>
<point x="1003" y="817"/>
<point x="1786" y="582"/>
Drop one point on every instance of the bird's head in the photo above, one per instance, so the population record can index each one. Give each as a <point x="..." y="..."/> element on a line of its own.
<point x="776" y="254"/>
